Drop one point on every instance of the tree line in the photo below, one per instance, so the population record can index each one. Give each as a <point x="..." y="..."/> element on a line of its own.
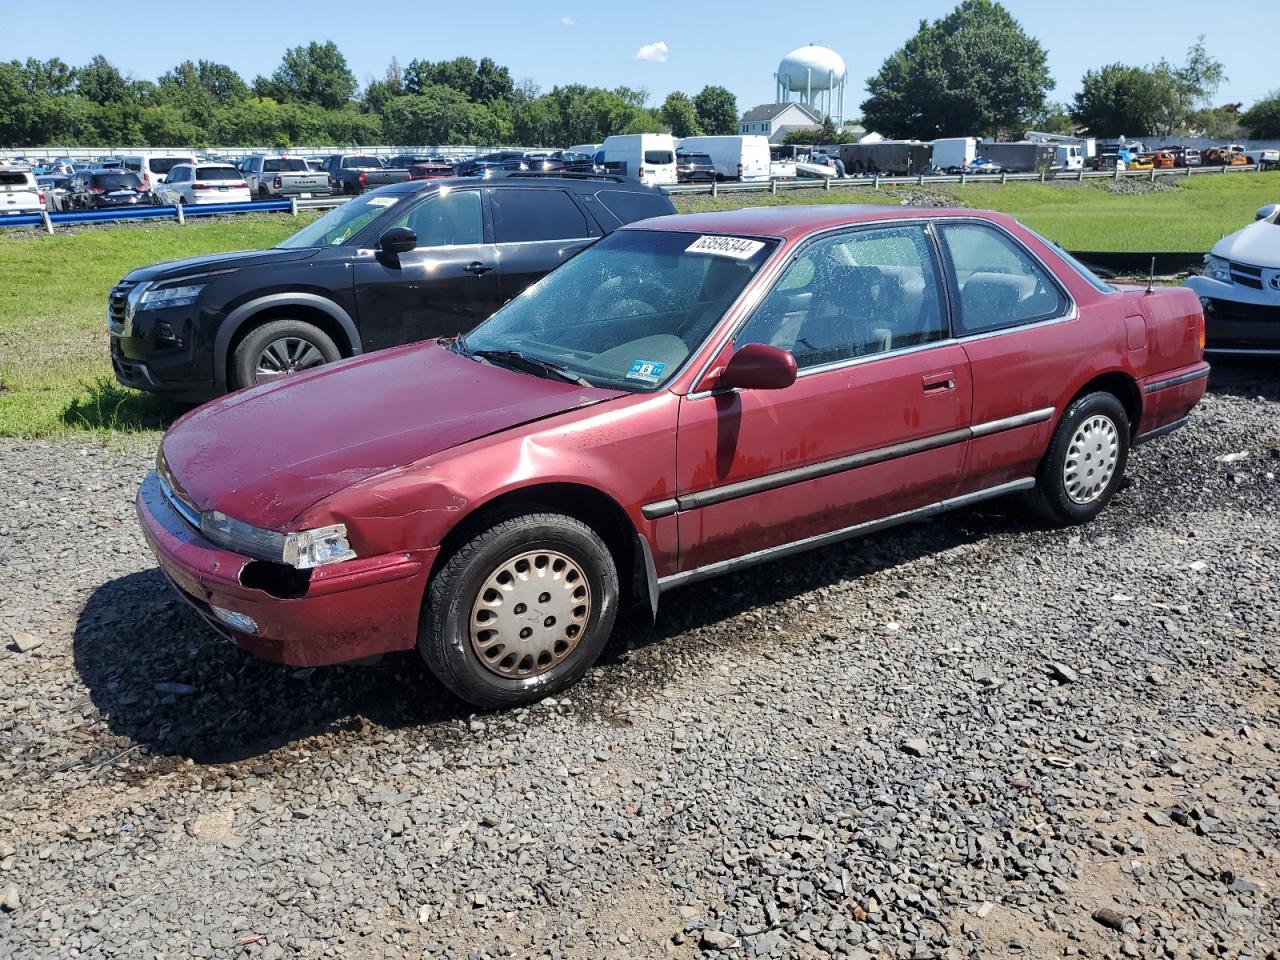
<point x="974" y="72"/>
<point x="313" y="98"/>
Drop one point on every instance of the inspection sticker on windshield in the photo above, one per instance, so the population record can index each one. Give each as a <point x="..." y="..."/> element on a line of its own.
<point x="383" y="201"/>
<point x="650" y="371"/>
<point x="738" y="248"/>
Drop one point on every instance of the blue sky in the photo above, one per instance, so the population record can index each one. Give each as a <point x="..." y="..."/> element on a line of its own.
<point x="555" y="41"/>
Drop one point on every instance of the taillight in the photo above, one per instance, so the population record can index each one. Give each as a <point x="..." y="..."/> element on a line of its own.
<point x="1202" y="332"/>
<point x="278" y="183"/>
<point x="199" y="186"/>
<point x="41" y="196"/>
<point x="97" y="190"/>
<point x="640" y="175"/>
<point x="242" y="185"/>
<point x="363" y="179"/>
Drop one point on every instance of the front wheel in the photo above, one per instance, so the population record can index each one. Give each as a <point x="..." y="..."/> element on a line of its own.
<point x="521" y="611"/>
<point x="1086" y="460"/>
<point x="279" y="349"/>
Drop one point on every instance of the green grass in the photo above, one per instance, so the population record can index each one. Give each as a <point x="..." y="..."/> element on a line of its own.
<point x="1192" y="217"/>
<point x="55" y="371"/>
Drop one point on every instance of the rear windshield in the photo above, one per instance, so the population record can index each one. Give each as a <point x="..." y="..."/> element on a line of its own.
<point x="116" y="181"/>
<point x="165" y="164"/>
<point x="13" y="179"/>
<point x="218" y="173"/>
<point x="696" y="158"/>
<point x="284" y="165"/>
<point x="659" y="156"/>
<point x="351" y="162"/>
<point x="629" y="206"/>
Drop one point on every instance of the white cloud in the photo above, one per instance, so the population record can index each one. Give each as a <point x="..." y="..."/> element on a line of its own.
<point x="653" y="52"/>
<point x="568" y="22"/>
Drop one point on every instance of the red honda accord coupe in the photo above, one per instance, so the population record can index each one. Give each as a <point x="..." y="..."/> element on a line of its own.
<point x="688" y="396"/>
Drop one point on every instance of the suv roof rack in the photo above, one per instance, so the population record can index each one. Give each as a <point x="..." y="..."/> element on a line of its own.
<point x="570" y="175"/>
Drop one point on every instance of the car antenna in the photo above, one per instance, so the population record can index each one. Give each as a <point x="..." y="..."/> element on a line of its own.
<point x="1151" y="278"/>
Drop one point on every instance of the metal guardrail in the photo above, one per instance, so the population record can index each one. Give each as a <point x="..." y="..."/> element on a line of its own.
<point x="49" y="220"/>
<point x="875" y="182"/>
<point x="180" y="213"/>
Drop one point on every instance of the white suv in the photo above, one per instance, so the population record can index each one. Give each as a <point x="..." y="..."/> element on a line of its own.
<point x="19" y="192"/>
<point x="201" y="183"/>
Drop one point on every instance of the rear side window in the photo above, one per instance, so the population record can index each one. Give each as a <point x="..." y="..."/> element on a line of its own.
<point x="521" y="216"/>
<point x="630" y="206"/>
<point x="117" y="181"/>
<point x="998" y="283"/>
<point x="165" y="164"/>
<point x="217" y="173"/>
<point x="659" y="156"/>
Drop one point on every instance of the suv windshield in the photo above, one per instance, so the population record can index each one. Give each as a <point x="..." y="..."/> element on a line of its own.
<point x="627" y="311"/>
<point x="342" y="223"/>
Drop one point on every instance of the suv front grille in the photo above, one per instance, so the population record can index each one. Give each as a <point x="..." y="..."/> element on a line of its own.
<point x="1246" y="275"/>
<point x="118" y="308"/>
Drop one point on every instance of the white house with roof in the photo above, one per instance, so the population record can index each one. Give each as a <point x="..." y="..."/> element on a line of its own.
<point x="774" y="120"/>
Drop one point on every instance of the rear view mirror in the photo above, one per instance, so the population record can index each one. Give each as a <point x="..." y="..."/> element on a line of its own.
<point x="1268" y="212"/>
<point x="397" y="240"/>
<point x="758" y="366"/>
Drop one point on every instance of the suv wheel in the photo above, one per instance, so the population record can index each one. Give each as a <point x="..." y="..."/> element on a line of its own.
<point x="520" y="611"/>
<point x="278" y="349"/>
<point x="1086" y="460"/>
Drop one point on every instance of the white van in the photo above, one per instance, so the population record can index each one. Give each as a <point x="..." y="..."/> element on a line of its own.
<point x="649" y="157"/>
<point x="735" y="157"/>
<point x="153" y="168"/>
<point x="1068" y="156"/>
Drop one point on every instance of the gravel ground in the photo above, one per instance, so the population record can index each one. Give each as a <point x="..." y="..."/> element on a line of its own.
<point x="968" y="737"/>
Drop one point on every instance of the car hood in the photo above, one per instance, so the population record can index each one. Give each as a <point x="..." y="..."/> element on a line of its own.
<point x="1257" y="244"/>
<point x="174" y="269"/>
<point x="266" y="454"/>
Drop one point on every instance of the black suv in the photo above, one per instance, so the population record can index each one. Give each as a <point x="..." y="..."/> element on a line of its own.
<point x="105" y="189"/>
<point x="410" y="261"/>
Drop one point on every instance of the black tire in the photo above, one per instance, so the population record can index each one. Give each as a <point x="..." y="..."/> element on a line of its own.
<point x="1052" y="499"/>
<point x="244" y="362"/>
<point x="444" y="637"/>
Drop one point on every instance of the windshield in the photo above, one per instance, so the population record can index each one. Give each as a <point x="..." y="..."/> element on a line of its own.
<point x="627" y="311"/>
<point x="342" y="223"/>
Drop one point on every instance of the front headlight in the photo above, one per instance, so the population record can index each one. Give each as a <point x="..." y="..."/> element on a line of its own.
<point x="1216" y="268"/>
<point x="303" y="550"/>
<point x="156" y="299"/>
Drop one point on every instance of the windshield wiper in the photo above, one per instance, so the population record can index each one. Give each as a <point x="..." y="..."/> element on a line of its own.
<point x="515" y="358"/>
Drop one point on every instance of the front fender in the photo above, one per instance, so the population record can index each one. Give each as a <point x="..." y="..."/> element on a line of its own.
<point x="238" y="317"/>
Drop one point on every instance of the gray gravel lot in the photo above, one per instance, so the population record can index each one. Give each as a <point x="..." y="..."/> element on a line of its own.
<point x="968" y="737"/>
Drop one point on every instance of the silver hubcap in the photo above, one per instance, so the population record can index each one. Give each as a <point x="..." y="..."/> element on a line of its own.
<point x="530" y="614"/>
<point x="1091" y="459"/>
<point x="287" y="355"/>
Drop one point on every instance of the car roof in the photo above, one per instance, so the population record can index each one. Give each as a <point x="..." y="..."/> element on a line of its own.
<point x="590" y="184"/>
<point x="790" y="222"/>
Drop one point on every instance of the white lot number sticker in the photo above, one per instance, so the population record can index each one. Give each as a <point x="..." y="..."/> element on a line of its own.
<point x="382" y="201"/>
<point x="739" y="248"/>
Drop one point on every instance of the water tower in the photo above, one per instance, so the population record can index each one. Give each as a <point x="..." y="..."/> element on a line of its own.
<point x="816" y="77"/>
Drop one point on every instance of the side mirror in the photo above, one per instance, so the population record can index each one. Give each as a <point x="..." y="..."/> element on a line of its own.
<point x="397" y="240"/>
<point x="758" y="366"/>
<point x="1268" y="212"/>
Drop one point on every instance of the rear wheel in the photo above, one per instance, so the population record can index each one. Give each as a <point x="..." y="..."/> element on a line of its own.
<point x="520" y="611"/>
<point x="278" y="349"/>
<point x="1085" y="462"/>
